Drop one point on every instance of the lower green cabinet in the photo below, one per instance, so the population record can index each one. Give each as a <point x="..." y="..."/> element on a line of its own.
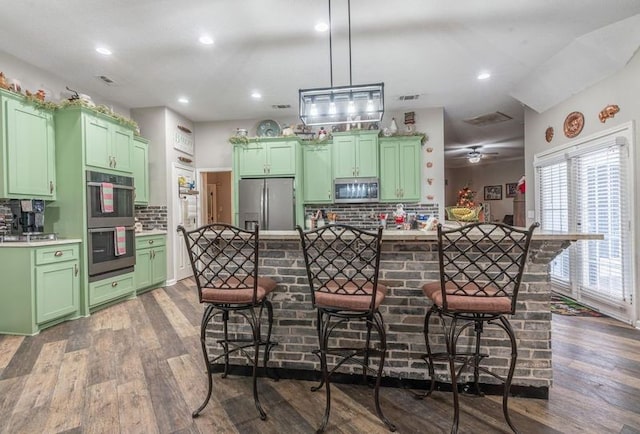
<point x="151" y="261"/>
<point x="106" y="290"/>
<point x="40" y="286"/>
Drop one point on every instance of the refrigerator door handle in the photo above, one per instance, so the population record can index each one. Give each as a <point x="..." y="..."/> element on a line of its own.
<point x="266" y="207"/>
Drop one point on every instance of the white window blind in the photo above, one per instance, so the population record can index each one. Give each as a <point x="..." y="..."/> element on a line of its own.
<point x="554" y="211"/>
<point x="600" y="179"/>
<point x="585" y="187"/>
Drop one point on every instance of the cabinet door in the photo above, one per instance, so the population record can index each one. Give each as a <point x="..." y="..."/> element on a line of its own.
<point x="140" y="172"/>
<point x="367" y="156"/>
<point x="409" y="170"/>
<point x="251" y="160"/>
<point x="57" y="290"/>
<point x="111" y="288"/>
<point x="142" y="273"/>
<point x="317" y="181"/>
<point x="30" y="150"/>
<point x="159" y="265"/>
<point x="344" y="157"/>
<point x="281" y="158"/>
<point x="97" y="143"/>
<point x="121" y="149"/>
<point x="389" y="164"/>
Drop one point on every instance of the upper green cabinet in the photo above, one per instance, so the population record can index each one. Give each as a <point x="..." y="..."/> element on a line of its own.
<point x="108" y="144"/>
<point x="141" y="170"/>
<point x="317" y="179"/>
<point x="400" y="168"/>
<point x="266" y="157"/>
<point x="355" y="154"/>
<point x="27" y="154"/>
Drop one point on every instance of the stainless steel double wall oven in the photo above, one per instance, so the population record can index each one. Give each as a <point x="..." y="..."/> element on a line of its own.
<point x="103" y="261"/>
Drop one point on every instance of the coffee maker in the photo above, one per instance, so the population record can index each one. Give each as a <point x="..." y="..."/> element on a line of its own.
<point x="29" y="215"/>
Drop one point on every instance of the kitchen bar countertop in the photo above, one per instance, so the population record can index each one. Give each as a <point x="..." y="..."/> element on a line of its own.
<point x="419" y="235"/>
<point x="151" y="232"/>
<point x="40" y="243"/>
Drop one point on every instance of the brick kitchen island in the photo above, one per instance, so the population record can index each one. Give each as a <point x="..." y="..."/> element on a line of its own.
<point x="409" y="259"/>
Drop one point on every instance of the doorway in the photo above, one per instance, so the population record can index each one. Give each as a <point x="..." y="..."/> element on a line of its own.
<point x="216" y="197"/>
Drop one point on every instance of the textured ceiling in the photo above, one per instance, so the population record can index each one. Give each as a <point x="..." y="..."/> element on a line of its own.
<point x="430" y="48"/>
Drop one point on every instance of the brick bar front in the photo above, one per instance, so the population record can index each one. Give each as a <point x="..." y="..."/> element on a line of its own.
<point x="408" y="260"/>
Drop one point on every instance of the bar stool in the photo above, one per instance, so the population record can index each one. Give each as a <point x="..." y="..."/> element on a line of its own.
<point x="481" y="266"/>
<point x="224" y="259"/>
<point x="342" y="265"/>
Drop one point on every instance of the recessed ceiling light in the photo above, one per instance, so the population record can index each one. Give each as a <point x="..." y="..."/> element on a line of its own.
<point x="183" y="100"/>
<point x="321" y="27"/>
<point x="206" y="40"/>
<point x="483" y="75"/>
<point x="256" y="95"/>
<point x="104" y="50"/>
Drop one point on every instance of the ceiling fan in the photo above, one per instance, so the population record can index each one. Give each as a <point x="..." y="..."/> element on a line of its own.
<point x="474" y="155"/>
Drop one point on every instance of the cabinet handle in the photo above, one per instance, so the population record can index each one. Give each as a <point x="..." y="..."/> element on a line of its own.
<point x="50" y="186"/>
<point x="114" y="284"/>
<point x="75" y="269"/>
<point x="154" y="254"/>
<point x="115" y="162"/>
<point x="58" y="253"/>
<point x="150" y="241"/>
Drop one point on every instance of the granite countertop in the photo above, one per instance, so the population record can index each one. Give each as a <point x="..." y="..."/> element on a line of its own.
<point x="151" y="232"/>
<point x="419" y="235"/>
<point x="41" y="243"/>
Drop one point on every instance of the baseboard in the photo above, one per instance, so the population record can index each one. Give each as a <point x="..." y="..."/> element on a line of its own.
<point x="401" y="383"/>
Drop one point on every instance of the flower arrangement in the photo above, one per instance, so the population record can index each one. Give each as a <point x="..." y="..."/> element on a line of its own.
<point x="465" y="197"/>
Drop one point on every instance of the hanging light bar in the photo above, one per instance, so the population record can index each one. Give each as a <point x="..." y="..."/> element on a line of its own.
<point x="342" y="104"/>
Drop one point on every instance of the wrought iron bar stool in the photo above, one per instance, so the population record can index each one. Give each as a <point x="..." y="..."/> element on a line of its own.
<point x="481" y="267"/>
<point x="224" y="259"/>
<point x="342" y="265"/>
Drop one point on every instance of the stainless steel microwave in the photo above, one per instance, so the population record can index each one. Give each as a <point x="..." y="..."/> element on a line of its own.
<point x="356" y="190"/>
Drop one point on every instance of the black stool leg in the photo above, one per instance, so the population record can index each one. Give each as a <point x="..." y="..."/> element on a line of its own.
<point x="378" y="322"/>
<point x="512" y="367"/>
<point x="429" y="357"/>
<point x="269" y="345"/>
<point x="478" y="328"/>
<point x="255" y="329"/>
<point x="366" y="351"/>
<point x="323" y="335"/>
<point x="323" y="361"/>
<point x="206" y="317"/>
<point x="225" y="344"/>
<point x="451" y="340"/>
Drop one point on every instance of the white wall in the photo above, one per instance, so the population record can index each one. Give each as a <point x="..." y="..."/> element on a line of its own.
<point x="33" y="78"/>
<point x="477" y="177"/>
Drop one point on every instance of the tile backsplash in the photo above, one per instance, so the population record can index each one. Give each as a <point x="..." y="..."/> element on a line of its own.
<point x="152" y="217"/>
<point x="365" y="215"/>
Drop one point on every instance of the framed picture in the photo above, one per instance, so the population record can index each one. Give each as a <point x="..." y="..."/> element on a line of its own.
<point x="511" y="189"/>
<point x="493" y="192"/>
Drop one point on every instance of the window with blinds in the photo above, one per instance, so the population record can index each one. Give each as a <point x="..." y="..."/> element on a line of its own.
<point x="554" y="212"/>
<point x="586" y="188"/>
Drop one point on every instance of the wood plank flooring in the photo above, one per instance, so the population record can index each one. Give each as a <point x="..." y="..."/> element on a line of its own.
<point x="136" y="367"/>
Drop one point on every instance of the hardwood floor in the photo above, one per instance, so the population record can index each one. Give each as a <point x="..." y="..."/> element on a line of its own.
<point x="136" y="367"/>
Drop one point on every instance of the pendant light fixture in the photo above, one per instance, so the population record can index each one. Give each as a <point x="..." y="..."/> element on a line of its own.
<point x="342" y="104"/>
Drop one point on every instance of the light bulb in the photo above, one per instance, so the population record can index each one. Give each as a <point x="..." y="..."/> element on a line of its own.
<point x="332" y="108"/>
<point x="370" y="105"/>
<point x="314" y="110"/>
<point x="351" y="108"/>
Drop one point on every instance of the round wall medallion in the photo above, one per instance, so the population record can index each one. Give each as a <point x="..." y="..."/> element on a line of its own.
<point x="548" y="134"/>
<point x="573" y="124"/>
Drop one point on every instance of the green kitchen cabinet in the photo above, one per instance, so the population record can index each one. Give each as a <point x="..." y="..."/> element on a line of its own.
<point x="400" y="168"/>
<point x="355" y="154"/>
<point x="141" y="170"/>
<point x="317" y="177"/>
<point x="112" y="288"/>
<point x="27" y="154"/>
<point x="151" y="261"/>
<point x="40" y="286"/>
<point x="108" y="144"/>
<point x="266" y="157"/>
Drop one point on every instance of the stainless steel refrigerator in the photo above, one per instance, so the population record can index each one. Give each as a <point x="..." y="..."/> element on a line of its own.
<point x="268" y="202"/>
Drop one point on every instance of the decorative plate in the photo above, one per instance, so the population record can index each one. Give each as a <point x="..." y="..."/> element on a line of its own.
<point x="548" y="134"/>
<point x="573" y="124"/>
<point x="268" y="128"/>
